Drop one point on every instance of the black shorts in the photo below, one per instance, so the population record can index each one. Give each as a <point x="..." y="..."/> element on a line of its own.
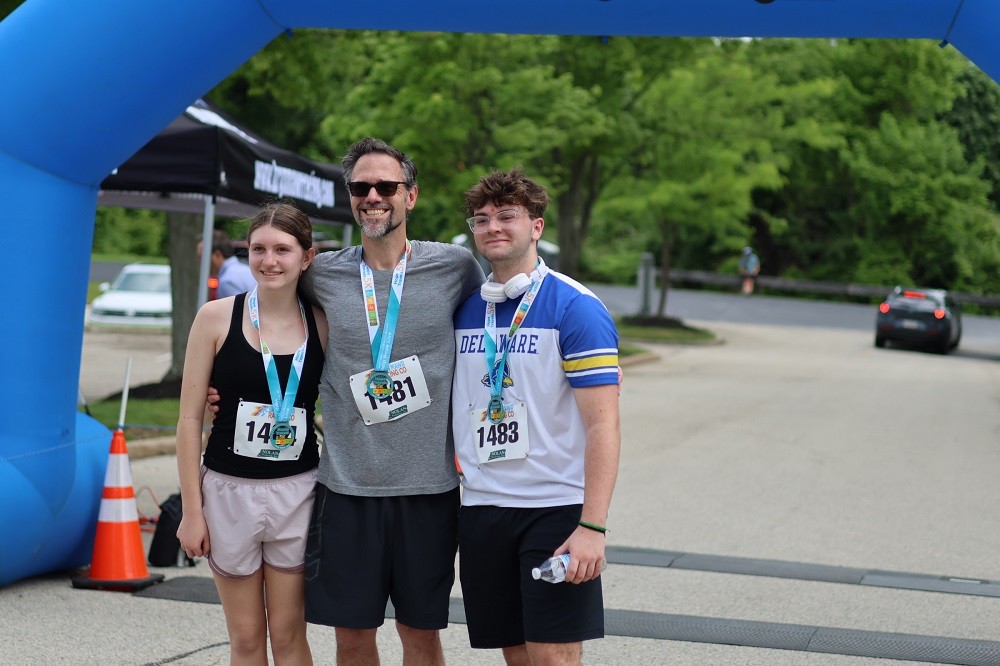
<point x="362" y="551"/>
<point x="504" y="605"/>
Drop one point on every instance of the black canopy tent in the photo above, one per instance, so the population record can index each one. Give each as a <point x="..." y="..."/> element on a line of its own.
<point x="205" y="162"/>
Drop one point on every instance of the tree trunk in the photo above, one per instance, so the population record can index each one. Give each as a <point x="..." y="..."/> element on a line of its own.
<point x="573" y="211"/>
<point x="568" y="238"/>
<point x="183" y="234"/>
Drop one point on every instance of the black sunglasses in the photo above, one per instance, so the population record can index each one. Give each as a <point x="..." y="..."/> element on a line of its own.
<point x="385" y="188"/>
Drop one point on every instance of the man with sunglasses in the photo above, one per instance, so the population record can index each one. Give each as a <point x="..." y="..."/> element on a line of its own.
<point x="536" y="424"/>
<point x="384" y="522"/>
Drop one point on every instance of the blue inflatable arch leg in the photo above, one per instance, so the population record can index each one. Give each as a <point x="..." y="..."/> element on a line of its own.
<point x="94" y="82"/>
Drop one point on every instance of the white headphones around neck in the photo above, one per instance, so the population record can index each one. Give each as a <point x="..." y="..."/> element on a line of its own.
<point x="494" y="292"/>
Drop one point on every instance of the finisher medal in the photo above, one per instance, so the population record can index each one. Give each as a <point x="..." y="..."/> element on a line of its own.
<point x="379" y="384"/>
<point x="282" y="435"/>
<point x="496" y="411"/>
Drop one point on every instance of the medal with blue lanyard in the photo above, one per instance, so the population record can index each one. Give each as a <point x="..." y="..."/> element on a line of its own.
<point x="495" y="366"/>
<point x="282" y="433"/>
<point x="381" y="337"/>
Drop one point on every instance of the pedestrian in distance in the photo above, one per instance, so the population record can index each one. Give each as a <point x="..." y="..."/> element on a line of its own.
<point x="749" y="266"/>
<point x="385" y="520"/>
<point x="234" y="277"/>
<point x="247" y="501"/>
<point x="536" y="423"/>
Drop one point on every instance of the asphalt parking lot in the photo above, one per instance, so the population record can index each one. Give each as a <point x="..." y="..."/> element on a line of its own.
<point x="106" y="355"/>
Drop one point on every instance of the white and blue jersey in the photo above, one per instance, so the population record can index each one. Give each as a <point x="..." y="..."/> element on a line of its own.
<point x="568" y="340"/>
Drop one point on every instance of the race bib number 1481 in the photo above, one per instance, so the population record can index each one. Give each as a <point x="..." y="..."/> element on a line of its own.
<point x="409" y="392"/>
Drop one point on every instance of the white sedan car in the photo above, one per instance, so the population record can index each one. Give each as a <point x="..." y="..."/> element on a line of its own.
<point x="139" y="296"/>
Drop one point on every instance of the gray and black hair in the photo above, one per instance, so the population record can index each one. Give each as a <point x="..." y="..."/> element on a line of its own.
<point x="369" y="146"/>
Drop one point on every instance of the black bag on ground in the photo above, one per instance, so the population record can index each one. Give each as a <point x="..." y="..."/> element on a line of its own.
<point x="165" y="548"/>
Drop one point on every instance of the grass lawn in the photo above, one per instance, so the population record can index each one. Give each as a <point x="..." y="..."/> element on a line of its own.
<point x="93" y="291"/>
<point x="659" y="329"/>
<point x="151" y="418"/>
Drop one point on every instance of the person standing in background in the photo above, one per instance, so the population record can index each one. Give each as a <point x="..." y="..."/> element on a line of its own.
<point x="749" y="267"/>
<point x="233" y="275"/>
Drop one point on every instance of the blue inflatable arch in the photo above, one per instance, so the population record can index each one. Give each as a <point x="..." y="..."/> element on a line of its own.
<point x="85" y="84"/>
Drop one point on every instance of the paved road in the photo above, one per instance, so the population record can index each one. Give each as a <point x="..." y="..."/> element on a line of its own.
<point x="103" y="271"/>
<point x="105" y="358"/>
<point x="979" y="332"/>
<point x="796" y="448"/>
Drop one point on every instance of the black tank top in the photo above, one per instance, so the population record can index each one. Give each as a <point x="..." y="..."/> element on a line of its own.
<point x="238" y="373"/>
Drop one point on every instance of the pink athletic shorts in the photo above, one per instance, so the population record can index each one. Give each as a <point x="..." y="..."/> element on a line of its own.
<point x="257" y="521"/>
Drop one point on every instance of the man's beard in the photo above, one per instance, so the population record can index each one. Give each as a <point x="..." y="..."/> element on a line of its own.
<point x="380" y="229"/>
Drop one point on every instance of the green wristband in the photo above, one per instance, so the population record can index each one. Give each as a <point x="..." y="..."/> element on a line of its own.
<point x="596" y="528"/>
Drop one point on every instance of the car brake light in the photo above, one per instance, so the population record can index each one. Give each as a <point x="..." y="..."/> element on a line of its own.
<point x="939" y="313"/>
<point x="883" y="308"/>
<point x="213" y="282"/>
<point x="914" y="294"/>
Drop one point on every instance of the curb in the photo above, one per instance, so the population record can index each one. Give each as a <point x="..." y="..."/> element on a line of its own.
<point x="636" y="359"/>
<point x="151" y="446"/>
<point x="649" y="356"/>
<point x="715" y="341"/>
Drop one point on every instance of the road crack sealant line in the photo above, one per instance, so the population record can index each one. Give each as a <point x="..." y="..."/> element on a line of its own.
<point x="823" y="573"/>
<point x="178" y="657"/>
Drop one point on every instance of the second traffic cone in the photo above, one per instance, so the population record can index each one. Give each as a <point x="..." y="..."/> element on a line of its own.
<point x="119" y="562"/>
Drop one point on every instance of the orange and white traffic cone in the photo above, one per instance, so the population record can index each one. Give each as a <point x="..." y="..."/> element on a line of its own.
<point x="119" y="562"/>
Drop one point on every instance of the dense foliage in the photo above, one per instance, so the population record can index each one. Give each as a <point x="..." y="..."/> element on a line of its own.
<point x="130" y="232"/>
<point x="852" y="160"/>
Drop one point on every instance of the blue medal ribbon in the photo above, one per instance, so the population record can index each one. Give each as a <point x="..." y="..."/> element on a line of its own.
<point x="382" y="336"/>
<point x="281" y="434"/>
<point x="494" y="366"/>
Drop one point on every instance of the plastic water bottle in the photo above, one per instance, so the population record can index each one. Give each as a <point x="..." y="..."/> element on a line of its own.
<point x="552" y="570"/>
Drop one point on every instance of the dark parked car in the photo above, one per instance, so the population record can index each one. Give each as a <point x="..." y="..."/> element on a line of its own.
<point x="920" y="316"/>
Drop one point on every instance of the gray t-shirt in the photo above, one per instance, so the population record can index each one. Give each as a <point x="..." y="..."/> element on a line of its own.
<point x="413" y="455"/>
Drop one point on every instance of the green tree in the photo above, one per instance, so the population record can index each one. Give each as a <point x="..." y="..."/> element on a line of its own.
<point x="286" y="90"/>
<point x="976" y="116"/>
<point x="126" y="231"/>
<point x="613" y="79"/>
<point x="808" y="128"/>
<point x="441" y="112"/>
<point x="913" y="195"/>
<point x="913" y="218"/>
<point x="869" y="208"/>
<point x="558" y="105"/>
<point x="712" y="133"/>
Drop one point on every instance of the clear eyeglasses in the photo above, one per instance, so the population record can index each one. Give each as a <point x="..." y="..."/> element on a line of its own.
<point x="480" y="223"/>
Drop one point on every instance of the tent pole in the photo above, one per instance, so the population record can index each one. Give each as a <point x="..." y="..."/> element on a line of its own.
<point x="208" y="226"/>
<point x="348" y="235"/>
